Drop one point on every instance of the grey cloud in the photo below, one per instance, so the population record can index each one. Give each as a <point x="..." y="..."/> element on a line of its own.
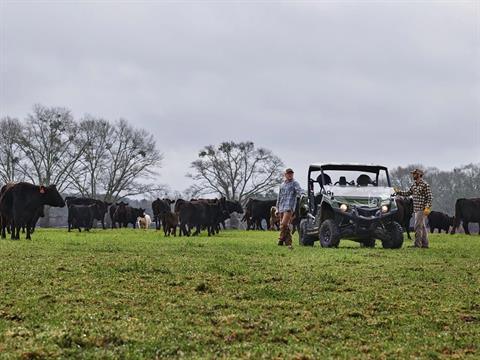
<point x="384" y="82"/>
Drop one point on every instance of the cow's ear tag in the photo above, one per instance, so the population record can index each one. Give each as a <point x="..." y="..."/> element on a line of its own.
<point x="42" y="190"/>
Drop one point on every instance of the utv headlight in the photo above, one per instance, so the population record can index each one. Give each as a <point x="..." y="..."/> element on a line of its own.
<point x="384" y="208"/>
<point x="343" y="207"/>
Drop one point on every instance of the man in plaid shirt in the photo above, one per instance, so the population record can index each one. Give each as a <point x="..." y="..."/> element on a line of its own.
<point x="286" y="202"/>
<point x="422" y="202"/>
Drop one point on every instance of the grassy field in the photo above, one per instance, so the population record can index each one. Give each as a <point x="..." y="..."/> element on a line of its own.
<point x="135" y="294"/>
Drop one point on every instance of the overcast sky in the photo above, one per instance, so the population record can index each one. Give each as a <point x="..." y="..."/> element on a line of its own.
<point x="387" y="82"/>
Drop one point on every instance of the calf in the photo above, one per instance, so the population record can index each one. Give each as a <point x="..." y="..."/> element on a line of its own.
<point x="274" y="219"/>
<point x="170" y="223"/>
<point x="144" y="222"/>
<point x="440" y="221"/>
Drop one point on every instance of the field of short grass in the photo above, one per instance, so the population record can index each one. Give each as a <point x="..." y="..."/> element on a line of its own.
<point x="135" y="294"/>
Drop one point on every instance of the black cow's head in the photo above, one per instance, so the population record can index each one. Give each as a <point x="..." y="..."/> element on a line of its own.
<point x="234" y="206"/>
<point x="51" y="196"/>
<point x="138" y="212"/>
<point x="161" y="207"/>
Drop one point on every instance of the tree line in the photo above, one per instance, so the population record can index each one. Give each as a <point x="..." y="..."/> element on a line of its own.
<point x="97" y="158"/>
<point x="92" y="157"/>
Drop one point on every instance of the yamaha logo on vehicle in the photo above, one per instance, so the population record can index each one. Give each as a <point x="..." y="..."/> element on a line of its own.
<point x="372" y="201"/>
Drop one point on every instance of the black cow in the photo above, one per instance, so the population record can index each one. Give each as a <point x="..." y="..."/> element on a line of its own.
<point x="82" y="216"/>
<point x="258" y="210"/>
<point x="230" y="208"/>
<point x="203" y="213"/>
<point x="466" y="211"/>
<point x="125" y="215"/>
<point x="404" y="213"/>
<point x="159" y="208"/>
<point x="38" y="214"/>
<point x="20" y="204"/>
<point x="440" y="221"/>
<point x="101" y="207"/>
<point x="112" y="210"/>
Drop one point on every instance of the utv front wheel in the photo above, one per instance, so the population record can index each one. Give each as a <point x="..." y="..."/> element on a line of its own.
<point x="329" y="234"/>
<point x="303" y="238"/>
<point x="394" y="238"/>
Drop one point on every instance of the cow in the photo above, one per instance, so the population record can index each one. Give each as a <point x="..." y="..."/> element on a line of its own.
<point x="274" y="219"/>
<point x="82" y="216"/>
<point x="100" y="209"/>
<point x="20" y="204"/>
<point x="160" y="207"/>
<point x="38" y="214"/>
<point x="112" y="210"/>
<point x="143" y="222"/>
<point x="201" y="213"/>
<point x="466" y="211"/>
<point x="230" y="208"/>
<point x="440" y="221"/>
<point x="258" y="210"/>
<point x="169" y="223"/>
<point x="125" y="214"/>
<point x="404" y="213"/>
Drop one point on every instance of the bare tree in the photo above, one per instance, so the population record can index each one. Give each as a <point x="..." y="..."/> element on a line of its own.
<point x="47" y="140"/>
<point x="11" y="155"/>
<point x="94" y="138"/>
<point x="236" y="171"/>
<point x="132" y="161"/>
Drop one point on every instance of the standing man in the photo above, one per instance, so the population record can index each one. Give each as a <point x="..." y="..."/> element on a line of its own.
<point x="422" y="202"/>
<point x="286" y="201"/>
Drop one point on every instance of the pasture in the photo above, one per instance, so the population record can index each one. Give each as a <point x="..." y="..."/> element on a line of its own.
<point x="134" y="294"/>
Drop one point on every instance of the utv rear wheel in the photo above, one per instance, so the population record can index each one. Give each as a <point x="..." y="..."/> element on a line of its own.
<point x="303" y="238"/>
<point x="329" y="234"/>
<point x="394" y="238"/>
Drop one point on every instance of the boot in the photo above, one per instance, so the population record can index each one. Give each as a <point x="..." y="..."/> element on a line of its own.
<point x="288" y="238"/>
<point x="281" y="238"/>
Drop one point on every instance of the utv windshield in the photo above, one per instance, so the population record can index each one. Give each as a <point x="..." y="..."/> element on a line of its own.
<point x="349" y="176"/>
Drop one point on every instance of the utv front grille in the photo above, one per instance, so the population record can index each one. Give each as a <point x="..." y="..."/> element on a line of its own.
<point x="368" y="212"/>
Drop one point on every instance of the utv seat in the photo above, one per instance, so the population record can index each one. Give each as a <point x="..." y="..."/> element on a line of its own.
<point x="364" y="180"/>
<point x="342" y="181"/>
<point x="324" y="179"/>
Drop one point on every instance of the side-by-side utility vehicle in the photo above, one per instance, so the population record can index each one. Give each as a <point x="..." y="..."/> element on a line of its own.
<point x="349" y="201"/>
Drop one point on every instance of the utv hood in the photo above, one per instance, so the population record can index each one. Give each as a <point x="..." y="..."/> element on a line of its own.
<point x="360" y="196"/>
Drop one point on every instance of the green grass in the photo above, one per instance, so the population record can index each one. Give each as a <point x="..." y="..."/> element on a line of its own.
<point x="135" y="294"/>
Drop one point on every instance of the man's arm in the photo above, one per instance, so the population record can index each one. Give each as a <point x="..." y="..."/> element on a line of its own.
<point x="298" y="189"/>
<point x="278" y="197"/>
<point x="409" y="192"/>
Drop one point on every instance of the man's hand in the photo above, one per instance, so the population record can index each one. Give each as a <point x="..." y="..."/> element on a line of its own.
<point x="427" y="211"/>
<point x="396" y="190"/>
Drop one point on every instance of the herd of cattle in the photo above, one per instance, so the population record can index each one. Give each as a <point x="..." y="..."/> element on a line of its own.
<point x="22" y="204"/>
